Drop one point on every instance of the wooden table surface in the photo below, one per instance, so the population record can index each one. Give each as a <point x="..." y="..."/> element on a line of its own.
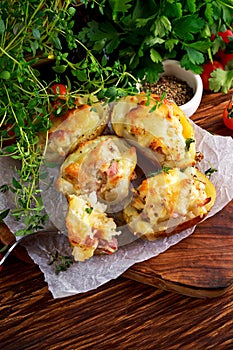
<point x="122" y="314"/>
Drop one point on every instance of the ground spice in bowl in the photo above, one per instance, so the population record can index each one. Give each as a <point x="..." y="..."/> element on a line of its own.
<point x="177" y="90"/>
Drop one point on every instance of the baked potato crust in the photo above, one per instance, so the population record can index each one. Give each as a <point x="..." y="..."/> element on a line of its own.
<point x="158" y="125"/>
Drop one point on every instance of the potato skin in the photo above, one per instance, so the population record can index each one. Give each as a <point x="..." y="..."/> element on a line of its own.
<point x="172" y="231"/>
<point x="139" y="217"/>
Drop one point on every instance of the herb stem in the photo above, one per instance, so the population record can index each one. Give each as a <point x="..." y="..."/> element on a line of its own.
<point x="8" y="55"/>
<point x="10" y="103"/>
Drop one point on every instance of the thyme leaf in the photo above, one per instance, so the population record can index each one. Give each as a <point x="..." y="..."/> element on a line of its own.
<point x="61" y="262"/>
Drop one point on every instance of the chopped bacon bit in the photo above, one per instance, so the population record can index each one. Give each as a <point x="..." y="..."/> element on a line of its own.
<point x="58" y="134"/>
<point x="206" y="201"/>
<point x="113" y="169"/>
<point x="143" y="102"/>
<point x="199" y="156"/>
<point x="108" y="247"/>
<point x="135" y="130"/>
<point x="155" y="146"/>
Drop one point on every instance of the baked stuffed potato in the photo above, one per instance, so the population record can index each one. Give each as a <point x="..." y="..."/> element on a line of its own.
<point x="160" y="126"/>
<point x="105" y="165"/>
<point x="85" y="122"/>
<point x="90" y="230"/>
<point x="98" y="172"/>
<point x="169" y="202"/>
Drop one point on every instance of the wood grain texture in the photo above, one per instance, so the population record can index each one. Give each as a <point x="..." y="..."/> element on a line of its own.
<point x="123" y="314"/>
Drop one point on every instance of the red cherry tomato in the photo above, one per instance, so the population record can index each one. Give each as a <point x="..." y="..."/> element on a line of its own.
<point x="58" y="102"/>
<point x="59" y="90"/>
<point x="225" y="35"/>
<point x="10" y="131"/>
<point x="228" y="115"/>
<point x="208" y="68"/>
<point x="224" y="57"/>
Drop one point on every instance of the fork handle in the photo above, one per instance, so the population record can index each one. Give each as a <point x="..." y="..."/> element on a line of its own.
<point x="8" y="252"/>
<point x="8" y="238"/>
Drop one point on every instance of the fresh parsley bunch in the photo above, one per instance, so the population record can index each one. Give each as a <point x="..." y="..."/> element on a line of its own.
<point x="141" y="34"/>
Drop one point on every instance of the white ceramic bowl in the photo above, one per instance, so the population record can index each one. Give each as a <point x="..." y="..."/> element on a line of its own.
<point x="172" y="67"/>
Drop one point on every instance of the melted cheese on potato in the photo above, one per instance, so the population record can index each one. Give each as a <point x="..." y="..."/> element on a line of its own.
<point x="105" y="165"/>
<point x="75" y="126"/>
<point x="89" y="228"/>
<point x="159" y="126"/>
<point x="163" y="202"/>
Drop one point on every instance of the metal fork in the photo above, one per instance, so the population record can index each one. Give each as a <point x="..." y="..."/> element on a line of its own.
<point x="23" y="238"/>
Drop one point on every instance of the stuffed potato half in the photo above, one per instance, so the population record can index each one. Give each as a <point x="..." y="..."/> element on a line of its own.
<point x="104" y="165"/>
<point x="85" y="122"/>
<point x="96" y="175"/>
<point x="90" y="230"/>
<point x="159" y="125"/>
<point x="169" y="202"/>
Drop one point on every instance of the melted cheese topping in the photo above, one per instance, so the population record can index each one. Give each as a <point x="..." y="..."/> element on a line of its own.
<point x="104" y="165"/>
<point x="89" y="227"/>
<point x="164" y="129"/>
<point x="75" y="126"/>
<point x="165" y="201"/>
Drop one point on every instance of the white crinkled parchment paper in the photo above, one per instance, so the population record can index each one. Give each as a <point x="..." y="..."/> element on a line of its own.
<point x="85" y="276"/>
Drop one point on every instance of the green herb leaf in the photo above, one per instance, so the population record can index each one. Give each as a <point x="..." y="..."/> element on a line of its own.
<point x="188" y="25"/>
<point x="191" y="5"/>
<point x="155" y="56"/>
<point x="210" y="171"/>
<point x="16" y="183"/>
<point x="120" y="5"/>
<point x="221" y="80"/>
<point x="165" y="169"/>
<point x="2" y="26"/>
<point x="195" y="56"/>
<point x="161" y="26"/>
<point x="60" y="69"/>
<point x="71" y="11"/>
<point x="89" y="210"/>
<point x="36" y="33"/>
<point x="188" y="143"/>
<point x="61" y="262"/>
<point x="3" y="214"/>
<point x="5" y="75"/>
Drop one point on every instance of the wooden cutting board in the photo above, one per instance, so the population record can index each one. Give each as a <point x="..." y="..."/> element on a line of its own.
<point x="202" y="264"/>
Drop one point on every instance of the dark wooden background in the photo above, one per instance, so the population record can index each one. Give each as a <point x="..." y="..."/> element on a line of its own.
<point x="124" y="314"/>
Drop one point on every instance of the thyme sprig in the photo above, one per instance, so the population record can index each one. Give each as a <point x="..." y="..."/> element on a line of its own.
<point x="61" y="262"/>
<point x="31" y="32"/>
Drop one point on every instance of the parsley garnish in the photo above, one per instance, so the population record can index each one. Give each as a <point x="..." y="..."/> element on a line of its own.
<point x="210" y="171"/>
<point x="88" y="210"/>
<point x="188" y="143"/>
<point x="164" y="169"/>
